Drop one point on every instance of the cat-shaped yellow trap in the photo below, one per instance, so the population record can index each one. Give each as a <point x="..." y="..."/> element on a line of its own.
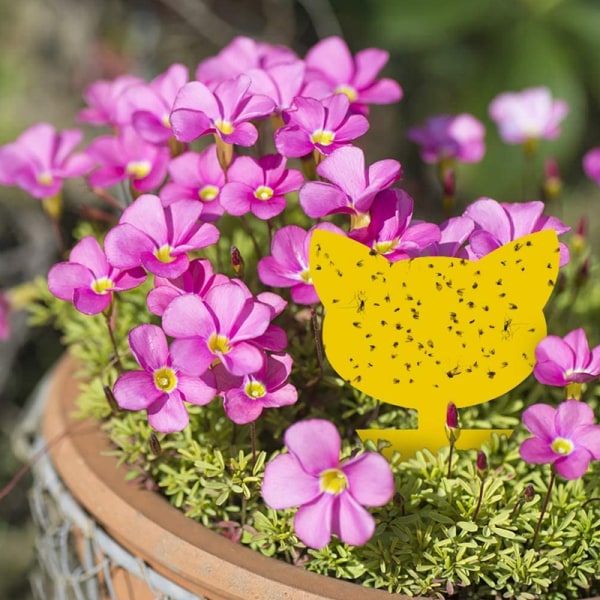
<point x="423" y="332"/>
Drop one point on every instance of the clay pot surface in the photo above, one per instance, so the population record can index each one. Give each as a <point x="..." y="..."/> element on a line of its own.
<point x="146" y="525"/>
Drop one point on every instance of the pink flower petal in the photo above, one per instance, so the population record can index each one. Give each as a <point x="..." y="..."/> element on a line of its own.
<point x="244" y="358"/>
<point x="65" y="277"/>
<point x="316" y="444"/>
<point x="149" y="346"/>
<point x="194" y="390"/>
<point x="286" y="484"/>
<point x="168" y="414"/>
<point x="351" y="522"/>
<point x="539" y="420"/>
<point x="370" y="479"/>
<point x="241" y="409"/>
<point x="574" y="465"/>
<point x="570" y="415"/>
<point x="537" y="451"/>
<point x="135" y="390"/>
<point x="312" y="522"/>
<point x="188" y="316"/>
<point x="88" y="302"/>
<point x="191" y="355"/>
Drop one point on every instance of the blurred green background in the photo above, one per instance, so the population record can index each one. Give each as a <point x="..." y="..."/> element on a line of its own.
<point x="449" y="57"/>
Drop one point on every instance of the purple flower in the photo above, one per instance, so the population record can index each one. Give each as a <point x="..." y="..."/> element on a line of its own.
<point x="103" y="98"/>
<point x="240" y="56"/>
<point x="453" y="234"/>
<point x="41" y="158"/>
<point x="352" y="188"/>
<point x="591" y="164"/>
<point x="221" y="326"/>
<point x="88" y="279"/>
<point x="197" y="279"/>
<point x="389" y="231"/>
<point x="333" y="70"/>
<point x="280" y="82"/>
<point x="567" y="362"/>
<point x="196" y="177"/>
<point x="149" y="105"/>
<point x="499" y="223"/>
<point x="287" y="267"/>
<point x="128" y="156"/>
<point x="162" y="386"/>
<point x="331" y="494"/>
<point x="244" y="398"/>
<point x="226" y="112"/>
<point x="4" y="317"/>
<point x="322" y="125"/>
<point x="446" y="137"/>
<point x="157" y="237"/>
<point x="565" y="436"/>
<point x="259" y="186"/>
<point x="528" y="115"/>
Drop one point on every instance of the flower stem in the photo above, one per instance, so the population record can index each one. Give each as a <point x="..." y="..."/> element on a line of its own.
<point x="318" y="342"/>
<point x="253" y="441"/>
<point x="111" y="335"/>
<point x="480" y="499"/>
<point x="544" y="507"/>
<point x="249" y="231"/>
<point x="449" y="473"/>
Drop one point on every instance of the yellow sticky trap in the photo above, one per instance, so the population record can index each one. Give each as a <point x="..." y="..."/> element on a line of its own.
<point x="423" y="332"/>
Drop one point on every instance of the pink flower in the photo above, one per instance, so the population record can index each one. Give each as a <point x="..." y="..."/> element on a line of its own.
<point x="445" y="137"/>
<point x="222" y="326"/>
<point x="259" y="186"/>
<point x="352" y="188"/>
<point x="288" y="264"/>
<point x="333" y="70"/>
<point x="528" y="115"/>
<point x="240" y="56"/>
<point x="89" y="280"/>
<point x="226" y="112"/>
<point x="41" y="158"/>
<point x="244" y="398"/>
<point x="591" y="164"/>
<point x="331" y="494"/>
<point x="389" y="231"/>
<point x="162" y="386"/>
<point x="148" y="106"/>
<point x="197" y="279"/>
<point x="4" y="317"/>
<point x="103" y="98"/>
<point x="158" y="238"/>
<point x="563" y="361"/>
<point x="565" y="436"/>
<point x="280" y="82"/>
<point x="197" y="177"/>
<point x="128" y="156"/>
<point x="453" y="234"/>
<point x="499" y="223"/>
<point x="322" y="125"/>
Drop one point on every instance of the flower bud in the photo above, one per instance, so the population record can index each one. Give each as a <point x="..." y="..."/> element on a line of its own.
<point x="110" y="398"/>
<point x="154" y="445"/>
<point x="482" y="462"/>
<point x="529" y="492"/>
<point x="237" y="262"/>
<point x="579" y="239"/>
<point x="582" y="276"/>
<point x="552" y="186"/>
<point x="452" y="425"/>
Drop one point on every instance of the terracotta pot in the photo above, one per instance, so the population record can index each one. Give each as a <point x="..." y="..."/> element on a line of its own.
<point x="148" y="527"/>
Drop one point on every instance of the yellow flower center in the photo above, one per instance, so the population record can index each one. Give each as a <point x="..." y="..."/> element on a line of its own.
<point x="562" y="446"/>
<point x="333" y="481"/>
<point x="255" y="389"/>
<point x="166" y="121"/>
<point x="208" y="193"/>
<point x="359" y="220"/>
<point x="322" y="137"/>
<point x="219" y="344"/>
<point x="45" y="178"/>
<point x="165" y="379"/>
<point x="103" y="285"/>
<point x="385" y="247"/>
<point x="164" y="254"/>
<point x="305" y="276"/>
<point x="224" y="127"/>
<point x="138" y="169"/>
<point x="263" y="192"/>
<point x="348" y="91"/>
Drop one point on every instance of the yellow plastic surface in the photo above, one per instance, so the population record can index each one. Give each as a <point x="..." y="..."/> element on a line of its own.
<point x="421" y="333"/>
